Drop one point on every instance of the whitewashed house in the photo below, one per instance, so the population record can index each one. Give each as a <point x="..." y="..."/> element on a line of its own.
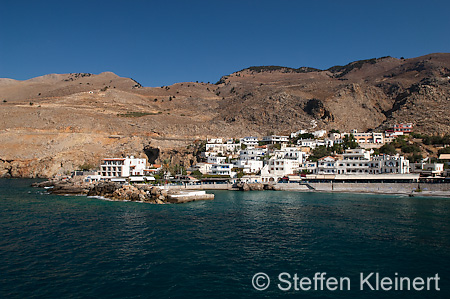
<point x="326" y="165"/>
<point x="272" y="139"/>
<point x="122" y="167"/>
<point x="388" y="164"/>
<point x="251" y="160"/>
<point x="299" y="132"/>
<point x="250" y="142"/>
<point x="319" y="133"/>
<point x="278" y="168"/>
<point x="204" y="168"/>
<point x="354" y="161"/>
<point x="216" y="160"/>
<point x="223" y="169"/>
<point x="313" y="143"/>
<point x="428" y="169"/>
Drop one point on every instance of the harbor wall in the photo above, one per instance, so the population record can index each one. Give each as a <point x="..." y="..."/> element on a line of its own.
<point x="434" y="186"/>
<point x="387" y="188"/>
<point x="366" y="187"/>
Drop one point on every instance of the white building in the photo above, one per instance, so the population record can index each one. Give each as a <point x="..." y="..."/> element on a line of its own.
<point x="223" y="148"/>
<point x="250" y="142"/>
<point x="319" y="133"/>
<point x="388" y="164"/>
<point x="251" y="160"/>
<point x="278" y="168"/>
<point x="204" y="168"/>
<point x="428" y="169"/>
<point x="290" y="152"/>
<point x="309" y="167"/>
<point x="313" y="143"/>
<point x="216" y="147"/>
<point x="223" y="169"/>
<point x="122" y="167"/>
<point x="326" y="165"/>
<point x="354" y="161"/>
<point x="299" y="132"/>
<point x="216" y="160"/>
<point x="249" y="166"/>
<point x="252" y="154"/>
<point x="336" y="138"/>
<point x="215" y="140"/>
<point x="272" y="139"/>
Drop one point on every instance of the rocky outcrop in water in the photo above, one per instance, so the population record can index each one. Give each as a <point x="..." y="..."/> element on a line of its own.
<point x="254" y="187"/>
<point x="119" y="192"/>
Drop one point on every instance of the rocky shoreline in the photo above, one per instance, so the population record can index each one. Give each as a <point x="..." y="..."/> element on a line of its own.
<point x="256" y="187"/>
<point x="118" y="192"/>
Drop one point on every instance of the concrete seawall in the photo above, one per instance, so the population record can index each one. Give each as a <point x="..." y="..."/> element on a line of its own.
<point x="383" y="188"/>
<point x="366" y="187"/>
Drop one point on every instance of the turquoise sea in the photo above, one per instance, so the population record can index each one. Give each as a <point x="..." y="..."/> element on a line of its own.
<point x="78" y="247"/>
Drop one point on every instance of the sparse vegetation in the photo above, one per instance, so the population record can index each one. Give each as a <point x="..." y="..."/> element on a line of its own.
<point x="320" y="152"/>
<point x="415" y="158"/>
<point x="86" y="167"/>
<point x="284" y="69"/>
<point x="344" y="70"/>
<point x="388" y="149"/>
<point x="445" y="150"/>
<point x="136" y="114"/>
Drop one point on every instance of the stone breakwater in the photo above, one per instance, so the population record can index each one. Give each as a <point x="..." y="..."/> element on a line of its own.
<point x="118" y="192"/>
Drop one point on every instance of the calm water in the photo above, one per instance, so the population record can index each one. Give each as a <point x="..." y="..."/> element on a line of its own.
<point x="77" y="247"/>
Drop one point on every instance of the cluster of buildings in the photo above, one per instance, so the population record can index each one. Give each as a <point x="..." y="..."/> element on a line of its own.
<point x="259" y="161"/>
<point x="273" y="158"/>
<point x="265" y="164"/>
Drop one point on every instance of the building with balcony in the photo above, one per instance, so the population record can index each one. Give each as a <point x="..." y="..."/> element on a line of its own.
<point x="404" y="128"/>
<point x="272" y="139"/>
<point x="122" y="167"/>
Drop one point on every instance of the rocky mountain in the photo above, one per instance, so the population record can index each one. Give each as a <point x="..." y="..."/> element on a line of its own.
<point x="59" y="122"/>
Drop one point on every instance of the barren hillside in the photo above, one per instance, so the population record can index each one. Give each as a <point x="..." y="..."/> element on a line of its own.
<point x="55" y="123"/>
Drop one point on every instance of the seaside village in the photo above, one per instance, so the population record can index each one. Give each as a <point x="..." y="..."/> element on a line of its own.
<point x="279" y="159"/>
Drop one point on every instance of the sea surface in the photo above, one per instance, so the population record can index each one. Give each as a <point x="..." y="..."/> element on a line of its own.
<point x="77" y="247"/>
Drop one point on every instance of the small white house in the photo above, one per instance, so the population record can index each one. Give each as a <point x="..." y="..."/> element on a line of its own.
<point x="223" y="169"/>
<point x="216" y="160"/>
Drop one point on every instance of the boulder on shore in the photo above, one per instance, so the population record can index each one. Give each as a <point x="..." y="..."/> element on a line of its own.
<point x="254" y="186"/>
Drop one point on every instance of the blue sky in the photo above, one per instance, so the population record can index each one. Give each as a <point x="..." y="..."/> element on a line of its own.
<point x="163" y="42"/>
